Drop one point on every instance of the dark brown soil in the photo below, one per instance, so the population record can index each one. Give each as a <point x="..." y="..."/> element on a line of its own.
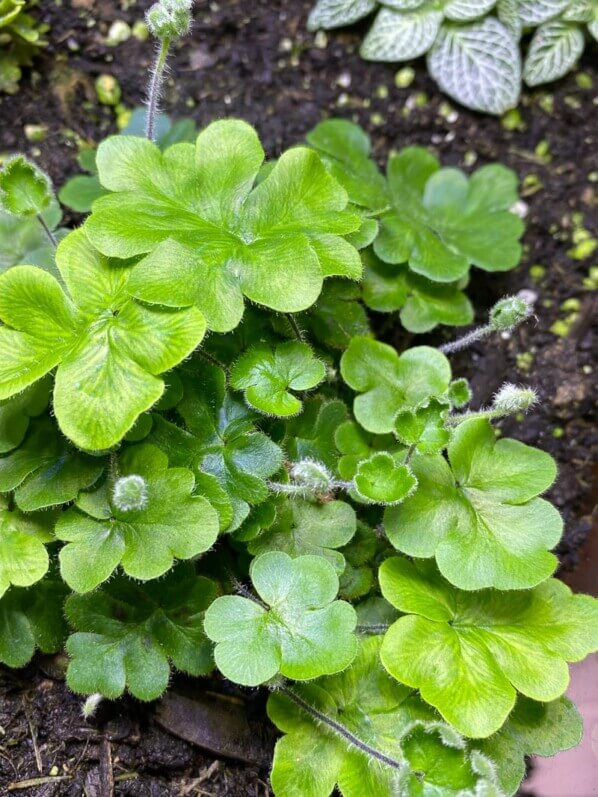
<point x="254" y="59"/>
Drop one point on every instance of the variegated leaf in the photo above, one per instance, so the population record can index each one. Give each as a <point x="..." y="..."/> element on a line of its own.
<point x="478" y="64"/>
<point x="464" y="10"/>
<point x="336" y="13"/>
<point x="579" y="11"/>
<point x="534" y="12"/>
<point x="508" y="13"/>
<point x="397" y="36"/>
<point x="553" y="51"/>
<point x="403" y="5"/>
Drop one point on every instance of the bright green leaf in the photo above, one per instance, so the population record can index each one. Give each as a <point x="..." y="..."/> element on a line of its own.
<point x="357" y="445"/>
<point x="479" y="516"/>
<point x="423" y="427"/>
<point x="24" y="189"/>
<point x="109" y="349"/>
<point x="297" y="627"/>
<point x="268" y="376"/>
<point x="302" y="528"/>
<point x="345" y="149"/>
<point x="388" y="382"/>
<point x="424" y="757"/>
<point x="442" y="221"/>
<point x="380" y="480"/>
<point x="145" y="538"/>
<point x="469" y="652"/>
<point x="212" y="238"/>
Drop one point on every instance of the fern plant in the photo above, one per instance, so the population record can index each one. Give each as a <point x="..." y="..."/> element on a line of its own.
<point x="286" y="499"/>
<point x="472" y="46"/>
<point x="20" y="39"/>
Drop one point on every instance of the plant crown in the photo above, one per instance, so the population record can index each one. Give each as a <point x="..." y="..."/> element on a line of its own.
<point x="287" y="499"/>
<point x="472" y="46"/>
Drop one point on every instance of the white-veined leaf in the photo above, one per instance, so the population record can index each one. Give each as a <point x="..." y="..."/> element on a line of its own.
<point x="508" y="13"/>
<point x="397" y="36"/>
<point x="593" y="28"/>
<point x="478" y="64"/>
<point x="403" y="5"/>
<point x="461" y="10"/>
<point x="553" y="51"/>
<point x="534" y="12"/>
<point x="579" y="11"/>
<point x="336" y="13"/>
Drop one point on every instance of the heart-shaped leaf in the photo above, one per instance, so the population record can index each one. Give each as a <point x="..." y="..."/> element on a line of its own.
<point x="380" y="480"/>
<point x="267" y="376"/>
<point x="479" y="515"/>
<point x="297" y="627"/>
<point x="109" y="349"/>
<point x="303" y="528"/>
<point x="469" y="652"/>
<point x="143" y="530"/>
<point x="388" y="383"/>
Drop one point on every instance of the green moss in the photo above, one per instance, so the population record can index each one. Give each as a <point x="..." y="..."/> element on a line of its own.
<point x="404" y="77"/>
<point x="524" y="361"/>
<point x="537" y="272"/>
<point x="512" y="120"/>
<point x="584" y="81"/>
<point x="583" y="249"/>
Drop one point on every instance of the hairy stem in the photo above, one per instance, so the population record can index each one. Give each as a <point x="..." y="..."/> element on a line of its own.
<point x="372" y="628"/>
<point x="155" y="89"/>
<point x="337" y="728"/>
<point x="291" y="488"/>
<point x="210" y="358"/>
<point x="47" y="230"/>
<point x="297" y="331"/>
<point x="467" y="340"/>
